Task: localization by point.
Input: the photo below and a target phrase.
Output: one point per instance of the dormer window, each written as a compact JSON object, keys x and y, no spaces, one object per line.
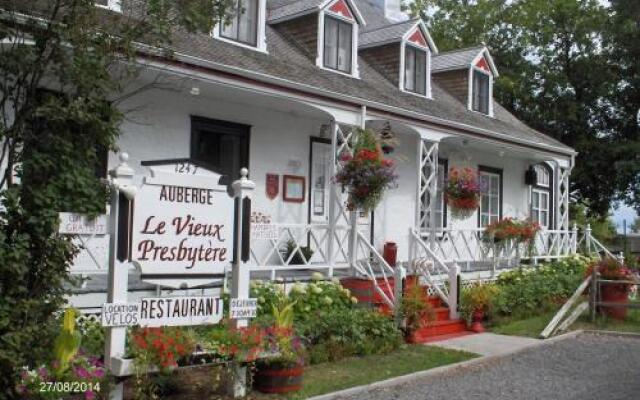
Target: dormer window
{"x":338,"y":23}
{"x":415,"y":70}
{"x":338,"y":42}
{"x":245,"y":25}
{"x":481,"y":95}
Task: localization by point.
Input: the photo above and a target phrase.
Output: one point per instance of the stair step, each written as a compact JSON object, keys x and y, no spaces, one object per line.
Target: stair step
{"x":447,"y":336}
{"x":441,"y":313}
{"x":437,"y":328}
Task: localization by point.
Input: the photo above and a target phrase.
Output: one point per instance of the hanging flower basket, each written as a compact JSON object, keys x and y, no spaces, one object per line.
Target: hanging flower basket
{"x":365,"y":173}
{"x":462,"y":192}
{"x":509,"y":229}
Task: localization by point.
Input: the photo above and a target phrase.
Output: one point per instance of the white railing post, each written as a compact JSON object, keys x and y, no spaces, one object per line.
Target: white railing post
{"x":121,"y":182}
{"x":587,"y":239}
{"x":353,"y":239}
{"x":240,"y":272}
{"x":399,"y":274}
{"x":454,"y":272}
{"x":333,"y":195}
{"x":574,"y":239}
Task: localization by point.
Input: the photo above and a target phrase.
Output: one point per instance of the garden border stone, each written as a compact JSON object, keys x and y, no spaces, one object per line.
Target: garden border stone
{"x":445,"y":369}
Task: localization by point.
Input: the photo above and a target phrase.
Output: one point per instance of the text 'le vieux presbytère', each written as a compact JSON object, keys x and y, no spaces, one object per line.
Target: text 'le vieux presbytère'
{"x":183,"y":225}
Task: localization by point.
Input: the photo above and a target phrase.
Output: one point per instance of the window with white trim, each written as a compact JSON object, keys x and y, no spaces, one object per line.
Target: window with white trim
{"x":481,"y":92}
{"x":491,"y":196}
{"x":541,"y":208}
{"x":242,"y":26}
{"x":415,"y":69}
{"x":338,"y":44}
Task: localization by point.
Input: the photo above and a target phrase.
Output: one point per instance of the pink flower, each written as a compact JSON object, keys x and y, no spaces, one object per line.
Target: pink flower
{"x":98,"y":373}
{"x":81,"y":372}
{"x":89,"y":395}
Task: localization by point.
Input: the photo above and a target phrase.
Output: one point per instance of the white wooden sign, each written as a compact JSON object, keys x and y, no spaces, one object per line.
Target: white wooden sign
{"x":182,"y":226}
{"x":264,"y":232}
{"x":80,"y":224}
{"x":164,"y":311}
{"x":243,"y":308}
{"x":91,"y":236}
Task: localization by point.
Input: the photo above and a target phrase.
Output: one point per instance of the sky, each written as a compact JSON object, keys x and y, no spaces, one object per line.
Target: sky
{"x":624,"y":213}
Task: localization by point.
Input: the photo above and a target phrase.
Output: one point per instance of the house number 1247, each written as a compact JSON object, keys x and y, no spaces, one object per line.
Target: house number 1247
{"x":186,"y":168}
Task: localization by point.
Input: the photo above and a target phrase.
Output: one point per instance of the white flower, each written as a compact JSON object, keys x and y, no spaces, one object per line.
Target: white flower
{"x":316,"y":289}
{"x":317,"y":276}
{"x":354,"y":300}
{"x":298,"y":288}
{"x":346,"y":292}
{"x":261,"y":300}
{"x":327,"y":300}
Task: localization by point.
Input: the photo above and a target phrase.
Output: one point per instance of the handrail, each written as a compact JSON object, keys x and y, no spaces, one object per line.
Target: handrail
{"x":424,"y":269}
{"x":551,"y":327}
{"x":365,"y":267}
{"x":602,"y":248}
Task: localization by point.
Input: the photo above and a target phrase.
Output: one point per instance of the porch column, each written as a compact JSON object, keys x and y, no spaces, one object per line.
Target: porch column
{"x":562,"y":172}
{"x":340,"y":143}
{"x":427,"y":188}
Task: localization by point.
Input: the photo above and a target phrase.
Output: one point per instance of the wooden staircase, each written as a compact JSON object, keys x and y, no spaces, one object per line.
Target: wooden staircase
{"x":439,"y":328}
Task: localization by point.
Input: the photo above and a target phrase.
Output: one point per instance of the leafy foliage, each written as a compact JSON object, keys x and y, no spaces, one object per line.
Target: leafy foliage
{"x":61,"y":85}
{"x":567,"y":68}
{"x":527,"y":291}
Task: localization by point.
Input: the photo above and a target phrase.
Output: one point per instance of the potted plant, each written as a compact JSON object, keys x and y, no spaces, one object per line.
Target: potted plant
{"x":364,"y":172}
{"x":281,"y":372}
{"x":475,"y":303}
{"x":611,"y":269}
{"x":462,"y":192}
{"x":303,"y":253}
{"x":415,"y":308}
{"x":510,"y":231}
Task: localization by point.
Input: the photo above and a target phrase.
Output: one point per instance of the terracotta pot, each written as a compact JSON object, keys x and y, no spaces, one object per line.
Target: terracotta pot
{"x":614,"y":293}
{"x":476,"y":325}
{"x":278,"y":378}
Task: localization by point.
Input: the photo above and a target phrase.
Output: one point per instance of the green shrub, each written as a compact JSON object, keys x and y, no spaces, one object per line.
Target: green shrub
{"x":320,"y":295}
{"x":92,"y":335}
{"x":527,"y":291}
{"x":337,"y":333}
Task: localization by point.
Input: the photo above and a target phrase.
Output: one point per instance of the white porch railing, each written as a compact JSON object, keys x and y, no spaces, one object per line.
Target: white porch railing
{"x":429,"y":264}
{"x":369,"y":263}
{"x":328,"y":246}
{"x":474,"y":245}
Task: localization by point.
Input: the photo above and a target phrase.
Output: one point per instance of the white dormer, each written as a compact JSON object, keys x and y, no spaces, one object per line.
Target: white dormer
{"x":416,"y":49}
{"x":246,"y":25}
{"x":338,"y":24}
{"x":468,"y":75}
{"x":482,"y":72}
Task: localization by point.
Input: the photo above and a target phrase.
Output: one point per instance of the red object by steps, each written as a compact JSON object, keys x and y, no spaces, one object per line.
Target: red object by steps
{"x":440,"y":328}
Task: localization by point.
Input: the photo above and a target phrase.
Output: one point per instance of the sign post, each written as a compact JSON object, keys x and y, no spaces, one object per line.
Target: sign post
{"x":241,"y":274}
{"x":122,"y":192}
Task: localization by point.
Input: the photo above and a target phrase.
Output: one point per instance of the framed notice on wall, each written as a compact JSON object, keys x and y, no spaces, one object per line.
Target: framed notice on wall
{"x":293,"y":188}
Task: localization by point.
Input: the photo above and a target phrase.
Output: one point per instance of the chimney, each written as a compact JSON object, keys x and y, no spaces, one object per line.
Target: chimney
{"x":391,"y":8}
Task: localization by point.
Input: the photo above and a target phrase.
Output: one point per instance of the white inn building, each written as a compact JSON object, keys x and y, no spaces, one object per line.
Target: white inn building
{"x":279,"y":91}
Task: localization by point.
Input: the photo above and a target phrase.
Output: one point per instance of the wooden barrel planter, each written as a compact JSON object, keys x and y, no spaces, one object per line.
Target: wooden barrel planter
{"x":278,"y":378}
{"x":614,"y":293}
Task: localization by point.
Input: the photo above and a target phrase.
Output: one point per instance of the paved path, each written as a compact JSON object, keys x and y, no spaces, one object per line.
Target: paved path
{"x":584,"y":367}
{"x":487,"y":344}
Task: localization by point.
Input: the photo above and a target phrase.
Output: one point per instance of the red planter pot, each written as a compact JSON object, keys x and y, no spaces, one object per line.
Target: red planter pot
{"x":476,"y":325}
{"x":278,"y":379}
{"x":614,"y":293}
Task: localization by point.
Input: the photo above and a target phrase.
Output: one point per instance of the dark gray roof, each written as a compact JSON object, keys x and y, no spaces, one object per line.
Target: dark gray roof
{"x":288,"y":62}
{"x":385,"y":34}
{"x":286,"y":8}
{"x":455,"y":59}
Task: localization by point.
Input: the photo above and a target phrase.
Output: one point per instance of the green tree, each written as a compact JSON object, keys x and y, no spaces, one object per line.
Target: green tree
{"x":62,"y":64}
{"x":559,"y":75}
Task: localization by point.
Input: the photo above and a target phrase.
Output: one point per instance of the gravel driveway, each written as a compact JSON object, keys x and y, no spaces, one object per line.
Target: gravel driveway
{"x":588,"y":366}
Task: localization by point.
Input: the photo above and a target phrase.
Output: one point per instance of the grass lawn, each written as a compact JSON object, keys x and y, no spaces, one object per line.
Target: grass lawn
{"x":533,"y":326}
{"x":329,"y":377}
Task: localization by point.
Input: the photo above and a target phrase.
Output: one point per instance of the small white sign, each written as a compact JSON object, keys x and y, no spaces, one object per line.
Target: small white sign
{"x":80,"y":224}
{"x":264,"y":232}
{"x":164,"y":311}
{"x":243,"y":308}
